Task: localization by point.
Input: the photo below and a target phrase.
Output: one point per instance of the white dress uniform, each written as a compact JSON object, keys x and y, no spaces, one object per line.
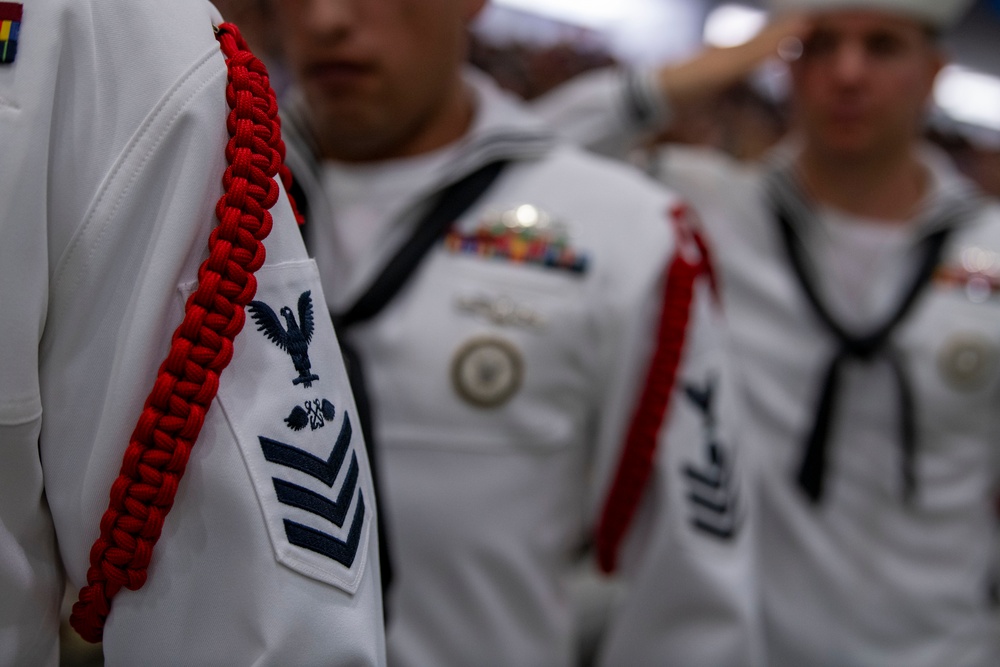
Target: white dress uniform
{"x":112,"y":122}
{"x":864,"y":577}
{"x":503,"y":385}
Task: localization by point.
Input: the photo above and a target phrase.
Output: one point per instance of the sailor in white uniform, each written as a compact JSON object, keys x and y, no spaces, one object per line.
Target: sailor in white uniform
{"x":114,"y":134}
{"x":861,"y":276}
{"x":563,"y":311}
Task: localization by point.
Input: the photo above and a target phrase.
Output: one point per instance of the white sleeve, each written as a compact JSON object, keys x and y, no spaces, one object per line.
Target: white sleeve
{"x":269,"y":553}
{"x":687,"y":561}
{"x":606,"y":110}
{"x":686,"y":557}
{"x":31,"y":577}
{"x":29,"y":569}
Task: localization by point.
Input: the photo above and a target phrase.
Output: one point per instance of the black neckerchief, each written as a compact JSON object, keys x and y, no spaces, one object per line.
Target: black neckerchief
{"x":876,"y":343}
{"x":449,"y":205}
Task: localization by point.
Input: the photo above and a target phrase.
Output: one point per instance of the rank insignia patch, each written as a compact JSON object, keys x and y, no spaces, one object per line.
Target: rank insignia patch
{"x":524,"y":235}
{"x":326,"y":471}
{"x":296,"y":430}
{"x":712,"y":490}
{"x":10,"y":28}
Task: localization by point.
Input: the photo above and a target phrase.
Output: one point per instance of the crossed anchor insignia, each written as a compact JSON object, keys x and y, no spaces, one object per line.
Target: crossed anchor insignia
{"x":314,"y":414}
{"x":294,"y":337}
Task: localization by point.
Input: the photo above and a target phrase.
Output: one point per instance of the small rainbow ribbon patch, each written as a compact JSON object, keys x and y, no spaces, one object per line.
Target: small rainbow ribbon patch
{"x":523,"y":235}
{"x":10,"y":26}
{"x":977,"y":272}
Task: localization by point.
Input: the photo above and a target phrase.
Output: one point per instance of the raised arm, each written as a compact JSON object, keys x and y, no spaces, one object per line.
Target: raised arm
{"x":609,"y":110}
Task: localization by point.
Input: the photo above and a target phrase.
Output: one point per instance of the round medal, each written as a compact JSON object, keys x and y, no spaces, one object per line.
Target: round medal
{"x":487,"y":371}
{"x":968,"y":361}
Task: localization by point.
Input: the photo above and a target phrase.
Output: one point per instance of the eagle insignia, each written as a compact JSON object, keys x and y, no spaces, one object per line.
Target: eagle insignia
{"x":294,"y":337}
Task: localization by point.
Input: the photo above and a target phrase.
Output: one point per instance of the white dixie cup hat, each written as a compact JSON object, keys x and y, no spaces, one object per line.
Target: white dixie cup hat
{"x":938,"y":14}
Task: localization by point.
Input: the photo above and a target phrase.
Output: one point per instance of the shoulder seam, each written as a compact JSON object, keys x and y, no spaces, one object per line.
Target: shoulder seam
{"x":166,"y":103}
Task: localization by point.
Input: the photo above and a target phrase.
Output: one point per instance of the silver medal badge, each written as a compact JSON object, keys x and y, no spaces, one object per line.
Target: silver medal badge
{"x":968,"y":361}
{"x":487,"y":371}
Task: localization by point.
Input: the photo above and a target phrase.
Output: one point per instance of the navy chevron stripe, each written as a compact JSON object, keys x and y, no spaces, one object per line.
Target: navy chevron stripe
{"x":293,"y":457}
{"x":334,"y":512}
{"x":713,"y":495}
{"x":713,"y":478}
{"x":341,"y":551}
{"x":725,"y":531}
{"x":716,"y":505}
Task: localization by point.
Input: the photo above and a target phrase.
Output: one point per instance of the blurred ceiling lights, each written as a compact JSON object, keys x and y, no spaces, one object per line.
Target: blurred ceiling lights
{"x":729,"y":25}
{"x":636,"y":31}
{"x":595,"y":14}
{"x":969,"y":96}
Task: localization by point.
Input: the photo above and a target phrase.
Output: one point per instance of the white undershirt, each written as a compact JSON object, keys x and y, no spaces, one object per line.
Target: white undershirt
{"x":368,"y":201}
{"x":865,"y":266}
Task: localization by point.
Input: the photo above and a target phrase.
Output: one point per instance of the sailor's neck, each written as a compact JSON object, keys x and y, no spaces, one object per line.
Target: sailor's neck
{"x":889,"y":189}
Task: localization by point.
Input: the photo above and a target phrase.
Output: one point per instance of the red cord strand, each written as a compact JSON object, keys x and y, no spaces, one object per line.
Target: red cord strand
{"x":201,"y":347}
{"x":636,"y":463}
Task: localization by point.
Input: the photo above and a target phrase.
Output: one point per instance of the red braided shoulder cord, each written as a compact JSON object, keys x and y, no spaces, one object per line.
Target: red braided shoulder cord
{"x":201,"y":347}
{"x":637,"y":459}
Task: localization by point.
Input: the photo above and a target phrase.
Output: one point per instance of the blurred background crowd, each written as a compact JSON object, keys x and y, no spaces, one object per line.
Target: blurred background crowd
{"x":532,"y":46}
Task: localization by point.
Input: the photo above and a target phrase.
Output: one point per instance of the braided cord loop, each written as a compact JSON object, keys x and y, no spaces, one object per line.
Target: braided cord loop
{"x":637,"y":461}
{"x":201,"y":347}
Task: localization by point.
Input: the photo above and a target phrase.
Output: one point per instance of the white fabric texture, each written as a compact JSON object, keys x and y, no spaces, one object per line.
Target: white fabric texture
{"x":488,"y":506}
{"x":112,"y":119}
{"x":370,"y":198}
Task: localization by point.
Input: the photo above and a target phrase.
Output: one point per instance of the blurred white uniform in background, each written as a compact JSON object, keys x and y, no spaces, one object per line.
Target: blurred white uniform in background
{"x":503,"y":388}
{"x":893,"y":562}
